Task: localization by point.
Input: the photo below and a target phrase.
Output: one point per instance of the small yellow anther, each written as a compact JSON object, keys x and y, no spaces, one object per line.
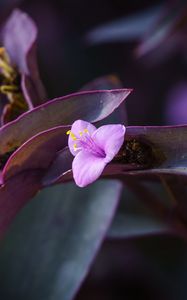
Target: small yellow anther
{"x":80,"y":133}
{"x":85,"y":130}
{"x":5,"y":89}
{"x":71,"y":135}
{"x":75,"y":147}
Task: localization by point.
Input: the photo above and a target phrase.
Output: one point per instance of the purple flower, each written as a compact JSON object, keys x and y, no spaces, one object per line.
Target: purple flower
{"x":93,"y":149}
{"x":20,"y":83}
{"x":29,"y":153}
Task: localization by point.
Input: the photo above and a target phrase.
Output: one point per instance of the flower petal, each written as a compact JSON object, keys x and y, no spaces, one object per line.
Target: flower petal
{"x":87,"y":168}
{"x":19,"y":38}
{"x":110,"y":138}
{"x":78,"y":127}
{"x":19,"y":34}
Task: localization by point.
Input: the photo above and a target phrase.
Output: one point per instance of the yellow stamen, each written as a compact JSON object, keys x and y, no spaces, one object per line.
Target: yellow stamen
{"x":74,"y":138}
{"x":6,"y":69}
{"x":5,"y":89}
{"x":71,"y":135}
{"x":10,"y":86}
{"x":75,"y":147}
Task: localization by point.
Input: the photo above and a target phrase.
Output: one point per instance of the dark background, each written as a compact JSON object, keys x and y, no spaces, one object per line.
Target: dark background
{"x":67,"y":61}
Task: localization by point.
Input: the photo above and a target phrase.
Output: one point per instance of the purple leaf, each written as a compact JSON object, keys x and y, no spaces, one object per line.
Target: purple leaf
{"x":168,"y":145}
{"x":24,"y":170}
{"x":162,"y":150}
{"x":60,"y":168}
{"x":164,"y":153}
{"x":109,"y":82}
{"x":15,"y":193}
{"x":37,"y":153}
{"x":19,"y":39}
{"x":71,"y":224}
{"x":91,"y":106}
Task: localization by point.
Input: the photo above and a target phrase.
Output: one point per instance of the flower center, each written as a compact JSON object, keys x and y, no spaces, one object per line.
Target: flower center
{"x":86,"y":142}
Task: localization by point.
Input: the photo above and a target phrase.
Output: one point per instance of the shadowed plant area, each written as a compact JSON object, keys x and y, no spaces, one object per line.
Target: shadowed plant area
{"x":93,"y":150}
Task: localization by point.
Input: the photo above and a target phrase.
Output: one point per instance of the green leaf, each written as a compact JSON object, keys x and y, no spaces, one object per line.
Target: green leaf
{"x":53,"y":241}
